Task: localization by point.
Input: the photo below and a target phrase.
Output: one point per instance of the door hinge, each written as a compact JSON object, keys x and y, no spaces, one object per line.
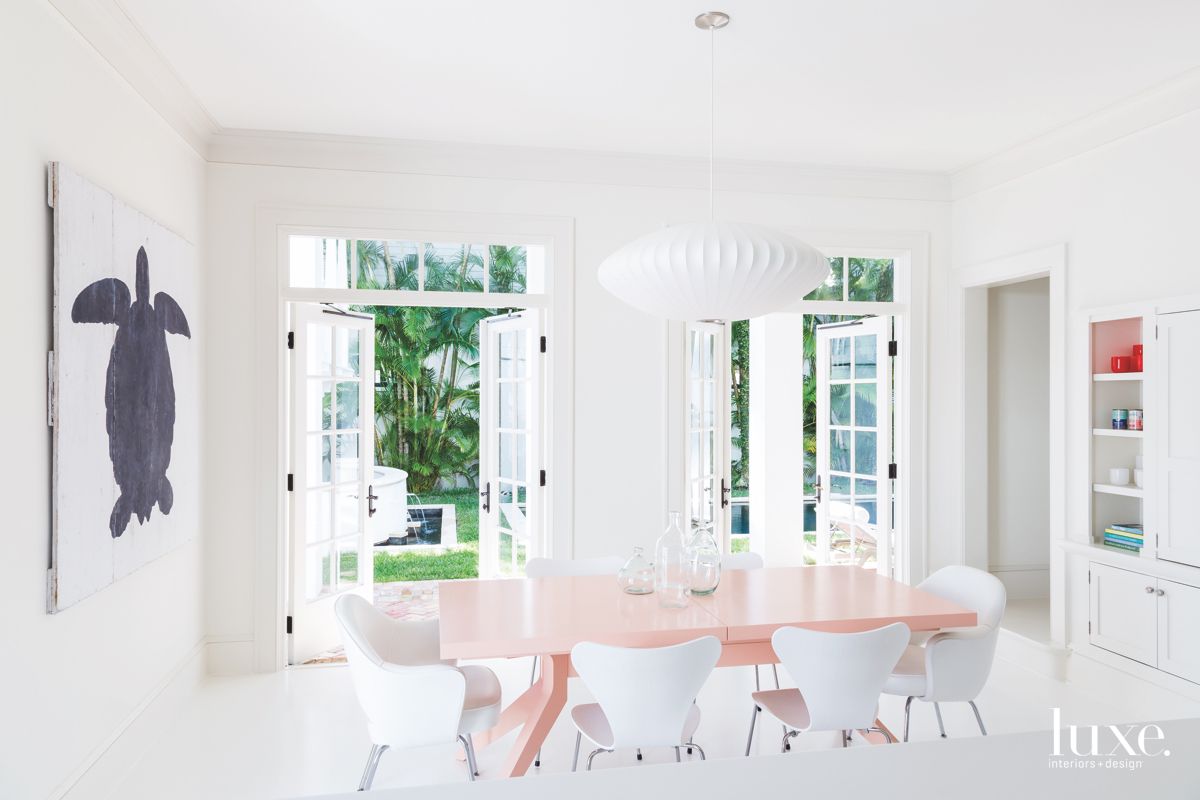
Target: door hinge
{"x":542,"y":344}
{"x":289,"y":624}
{"x":1089,"y":627}
{"x":893,"y":348}
{"x":892,"y":470}
{"x":1089,"y":576}
{"x":541,"y":477}
{"x":291,"y":340}
{"x":291,"y":480}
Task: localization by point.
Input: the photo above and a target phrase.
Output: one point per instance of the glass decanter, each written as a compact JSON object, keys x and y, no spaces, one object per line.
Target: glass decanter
{"x":671,"y":566}
{"x":637,"y":576}
{"x":704,"y":562}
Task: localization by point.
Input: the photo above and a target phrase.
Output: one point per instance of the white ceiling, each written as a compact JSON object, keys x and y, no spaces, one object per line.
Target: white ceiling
{"x":903,"y":84}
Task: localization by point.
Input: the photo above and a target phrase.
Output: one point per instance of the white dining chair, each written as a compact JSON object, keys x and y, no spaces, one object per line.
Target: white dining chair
{"x":839,"y":677}
{"x":736,"y":561}
{"x":645,"y":696}
{"x":952,"y":665}
{"x":566,"y":567}
{"x":411,"y":696}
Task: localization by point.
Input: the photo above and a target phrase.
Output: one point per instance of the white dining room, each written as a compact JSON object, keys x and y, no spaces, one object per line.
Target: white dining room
{"x":574,"y":399}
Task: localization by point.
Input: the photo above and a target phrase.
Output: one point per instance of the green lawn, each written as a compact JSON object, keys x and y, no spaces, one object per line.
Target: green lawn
{"x":462,"y":562}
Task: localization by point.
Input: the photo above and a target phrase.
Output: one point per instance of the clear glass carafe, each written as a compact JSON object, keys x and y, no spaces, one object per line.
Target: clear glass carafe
{"x":671,"y":566}
{"x":704,"y":562}
{"x":637,"y":576}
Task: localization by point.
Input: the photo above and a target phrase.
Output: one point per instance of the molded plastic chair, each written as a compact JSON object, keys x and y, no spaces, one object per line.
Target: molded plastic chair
{"x":741,"y":561}
{"x":839,"y":675}
{"x":953,"y":665}
{"x":645,"y":696}
{"x":412,"y":698}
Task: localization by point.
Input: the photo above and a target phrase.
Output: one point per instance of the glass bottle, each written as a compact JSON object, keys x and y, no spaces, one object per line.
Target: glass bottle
{"x":671,"y":566}
{"x":704,"y":562}
{"x":637,"y":576}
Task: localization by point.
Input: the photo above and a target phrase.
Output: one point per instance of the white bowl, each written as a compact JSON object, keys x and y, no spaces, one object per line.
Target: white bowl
{"x":1119,"y":476}
{"x":1137,"y":478}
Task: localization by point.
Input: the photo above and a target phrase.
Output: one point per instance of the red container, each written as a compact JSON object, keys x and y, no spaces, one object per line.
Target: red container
{"x":1137,"y":358}
{"x":1122,"y":363}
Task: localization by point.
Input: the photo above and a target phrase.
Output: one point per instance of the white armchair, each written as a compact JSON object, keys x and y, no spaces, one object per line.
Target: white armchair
{"x":412,"y":698}
{"x":953,"y":665}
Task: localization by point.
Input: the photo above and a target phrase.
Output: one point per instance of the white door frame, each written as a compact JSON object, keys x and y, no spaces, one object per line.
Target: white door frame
{"x":722,"y":490}
{"x":264,"y":648}
{"x":969,"y":317}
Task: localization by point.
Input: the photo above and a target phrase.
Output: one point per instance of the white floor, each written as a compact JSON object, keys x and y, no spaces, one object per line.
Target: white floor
{"x":1030,"y":618}
{"x":300,"y":731}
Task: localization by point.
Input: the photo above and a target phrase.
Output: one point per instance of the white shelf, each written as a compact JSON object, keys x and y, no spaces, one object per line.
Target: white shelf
{"x":1123,"y":491}
{"x":1123,"y":434}
{"x":1104,"y":377}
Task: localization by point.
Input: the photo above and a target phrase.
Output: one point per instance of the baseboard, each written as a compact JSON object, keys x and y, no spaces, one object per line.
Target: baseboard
{"x":106,"y":766}
{"x":1023,"y":582}
{"x":1157,"y":694}
{"x":233,"y":656}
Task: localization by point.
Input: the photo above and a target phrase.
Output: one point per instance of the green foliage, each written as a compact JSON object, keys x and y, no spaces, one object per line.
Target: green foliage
{"x":450,"y":565}
{"x":739,"y":357}
{"x":427,"y":359}
{"x":466,"y":510}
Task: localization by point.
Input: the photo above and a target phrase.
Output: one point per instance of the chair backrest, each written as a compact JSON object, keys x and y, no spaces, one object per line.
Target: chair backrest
{"x":646,"y":693}
{"x":980,"y":591}
{"x":957,"y":664}
{"x":551,"y":567}
{"x":742,"y":561}
{"x":840,"y":675}
{"x":410,"y":697}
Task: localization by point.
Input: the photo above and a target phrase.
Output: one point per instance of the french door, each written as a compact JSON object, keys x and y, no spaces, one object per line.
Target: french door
{"x":706,"y":434}
{"x":332,"y":447}
{"x":511,"y":477}
{"x":854,"y":444}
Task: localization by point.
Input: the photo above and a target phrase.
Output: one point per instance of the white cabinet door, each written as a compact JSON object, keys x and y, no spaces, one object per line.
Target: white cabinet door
{"x":1178,"y":622}
{"x":1177,"y":437}
{"x":1124,"y":613}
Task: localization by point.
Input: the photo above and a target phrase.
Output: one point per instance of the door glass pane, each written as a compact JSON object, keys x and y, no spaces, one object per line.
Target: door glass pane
{"x":320,"y":350}
{"x":864,"y":404}
{"x":507,"y":405}
{"x":508,"y":353}
{"x":507,"y":269}
{"x":347,"y":510}
{"x":318,"y":520}
{"x":319,"y":263}
{"x":839,"y":450}
{"x":347,"y":457}
{"x":864,"y":452}
{"x":864,"y":356}
{"x":317,"y":574}
{"x":708,"y":463}
{"x":506,"y":455}
{"x":522,"y":354}
{"x":839,"y":404}
{"x":839,"y":487}
{"x":694,"y":404}
{"x":871,"y":279}
{"x":864,"y":488}
{"x":839,"y":358}
{"x":708,"y":416}
{"x":833,"y":286}
{"x":708,"y":347}
{"x":521,"y":402}
{"x":694,"y":460}
{"x":519,"y":442}
{"x":347,"y":551}
{"x":346,"y":355}
{"x":347,"y":404}
{"x":319,"y":405}
{"x":454,"y":267}
{"x":505,"y":492}
{"x":319,"y":459}
{"x":387,"y":265}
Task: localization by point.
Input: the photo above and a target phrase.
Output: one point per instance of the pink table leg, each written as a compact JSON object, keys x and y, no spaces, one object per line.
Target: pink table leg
{"x":535,"y":712}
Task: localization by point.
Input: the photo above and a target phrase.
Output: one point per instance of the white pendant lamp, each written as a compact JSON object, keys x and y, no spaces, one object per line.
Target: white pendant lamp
{"x":713,"y":270}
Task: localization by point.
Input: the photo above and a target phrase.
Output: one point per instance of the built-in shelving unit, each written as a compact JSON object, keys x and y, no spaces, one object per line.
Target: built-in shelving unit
{"x":1119,"y":434}
{"x":1123,"y":491}
{"x":1106,"y":377}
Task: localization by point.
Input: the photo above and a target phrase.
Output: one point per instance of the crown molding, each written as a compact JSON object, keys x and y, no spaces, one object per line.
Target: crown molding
{"x":354,"y":153}
{"x":106,"y":26}
{"x":1154,"y":106}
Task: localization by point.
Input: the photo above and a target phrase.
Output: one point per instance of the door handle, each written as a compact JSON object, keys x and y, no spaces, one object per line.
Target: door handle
{"x":486,"y":494}
{"x":724,"y":494}
{"x":817,"y":486}
{"x":371,"y":498}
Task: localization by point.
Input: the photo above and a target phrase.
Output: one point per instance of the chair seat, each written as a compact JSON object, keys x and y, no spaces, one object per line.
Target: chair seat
{"x":908,"y":676}
{"x":786,"y":705}
{"x":481,"y":706}
{"x":589,"y":719}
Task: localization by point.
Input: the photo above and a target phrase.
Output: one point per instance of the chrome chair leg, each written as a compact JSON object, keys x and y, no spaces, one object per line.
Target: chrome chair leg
{"x":639,"y":752}
{"x":368,"y":776}
{"x":753,"y":719}
{"x":575,"y":761}
{"x":757,"y":680}
{"x":775,"y":672}
{"x":700,"y":750}
{"x":845,"y":739}
{"x":787,"y":745}
{"x":938,"y":711}
{"x":595,"y":753}
{"x":469,"y":746}
{"x":907,"y":712}
{"x":891,"y":739}
{"x":678,"y":757}
{"x":978,"y":718}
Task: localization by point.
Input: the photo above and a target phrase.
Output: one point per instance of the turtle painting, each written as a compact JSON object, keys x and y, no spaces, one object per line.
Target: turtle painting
{"x":139,"y":391}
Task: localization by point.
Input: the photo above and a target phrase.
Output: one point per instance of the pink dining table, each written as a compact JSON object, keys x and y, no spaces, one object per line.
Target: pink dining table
{"x":546,"y":617}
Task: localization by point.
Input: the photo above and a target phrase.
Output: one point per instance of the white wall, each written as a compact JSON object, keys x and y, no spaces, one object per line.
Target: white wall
{"x":621,"y":487}
{"x":1018,"y":318}
{"x":69,"y":681}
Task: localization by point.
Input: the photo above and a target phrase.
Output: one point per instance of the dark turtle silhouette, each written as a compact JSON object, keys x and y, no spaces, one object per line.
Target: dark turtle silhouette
{"x":139,"y":392}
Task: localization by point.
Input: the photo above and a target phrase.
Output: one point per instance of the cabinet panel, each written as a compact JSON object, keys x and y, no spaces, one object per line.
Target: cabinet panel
{"x":1177,"y":437}
{"x":1178,"y":629}
{"x":1123,"y":613}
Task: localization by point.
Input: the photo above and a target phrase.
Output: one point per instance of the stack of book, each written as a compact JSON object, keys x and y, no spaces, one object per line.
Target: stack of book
{"x":1125,"y":535}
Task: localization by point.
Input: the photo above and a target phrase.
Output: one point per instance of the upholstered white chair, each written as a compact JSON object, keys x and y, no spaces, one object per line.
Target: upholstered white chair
{"x":839,"y":678}
{"x":645,"y":696}
{"x":952,"y":665}
{"x":412,"y":698}
{"x":553,"y":567}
